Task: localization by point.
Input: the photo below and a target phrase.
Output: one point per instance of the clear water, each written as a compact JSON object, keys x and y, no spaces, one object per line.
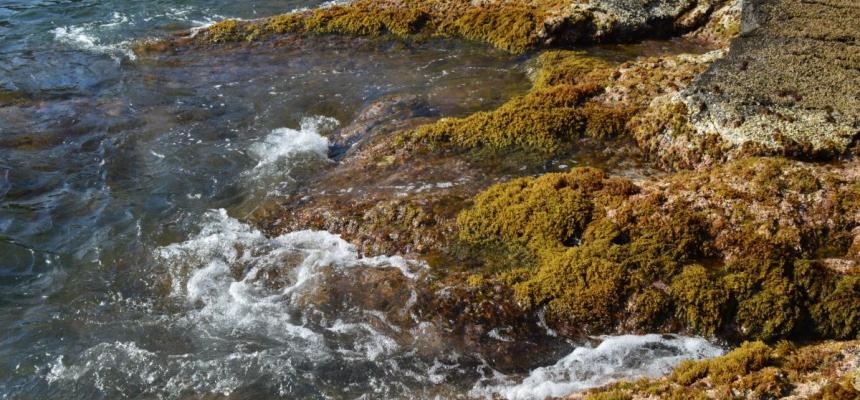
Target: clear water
{"x":126,"y":270}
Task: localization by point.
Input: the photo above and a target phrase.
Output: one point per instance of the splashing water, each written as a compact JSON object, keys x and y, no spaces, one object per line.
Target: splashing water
{"x":269,"y":333}
{"x":615,"y":358}
{"x":284,"y":149}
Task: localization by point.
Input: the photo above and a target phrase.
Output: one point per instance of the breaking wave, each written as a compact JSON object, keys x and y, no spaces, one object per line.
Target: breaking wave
{"x":285,"y":143}
{"x":615,"y":358}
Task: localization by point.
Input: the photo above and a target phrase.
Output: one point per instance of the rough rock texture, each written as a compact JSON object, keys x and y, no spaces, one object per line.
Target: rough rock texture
{"x":742,"y":251}
{"x":789,"y":85}
{"x":512,"y":25}
{"x":748,"y":248}
{"x":825,"y":371}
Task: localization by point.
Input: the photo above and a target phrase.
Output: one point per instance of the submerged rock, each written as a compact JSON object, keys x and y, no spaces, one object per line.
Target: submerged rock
{"x":376,"y":119}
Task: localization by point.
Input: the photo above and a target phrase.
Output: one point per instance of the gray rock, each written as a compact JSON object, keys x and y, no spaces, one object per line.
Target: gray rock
{"x":626,"y":20}
{"x":790,"y":84}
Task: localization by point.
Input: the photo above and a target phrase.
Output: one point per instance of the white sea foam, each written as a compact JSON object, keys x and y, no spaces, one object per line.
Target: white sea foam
{"x":261,"y":326}
{"x":616,"y":358}
{"x":88,"y":37}
{"x":285,"y":142}
{"x":284,"y":148}
{"x":225,"y":245}
{"x":124,"y":369}
{"x":80,"y":37}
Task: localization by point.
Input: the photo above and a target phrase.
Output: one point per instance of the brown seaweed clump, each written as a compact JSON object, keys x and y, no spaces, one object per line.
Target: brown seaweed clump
{"x":743,"y":251}
{"x":516,"y":26}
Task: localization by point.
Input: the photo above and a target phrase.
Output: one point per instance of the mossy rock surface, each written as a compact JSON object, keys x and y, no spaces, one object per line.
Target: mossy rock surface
{"x":546,"y":120}
{"x":754,"y":370}
{"x":741,"y":251}
{"x":788,"y":85}
{"x":512,"y":25}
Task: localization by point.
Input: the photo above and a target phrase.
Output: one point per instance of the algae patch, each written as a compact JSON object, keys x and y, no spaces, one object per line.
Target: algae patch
{"x":754,"y":370}
{"x":545,"y":120}
{"x":511,"y":27}
{"x":734,"y":252}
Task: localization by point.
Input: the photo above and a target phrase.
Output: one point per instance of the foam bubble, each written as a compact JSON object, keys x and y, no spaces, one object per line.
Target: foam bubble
{"x":616,"y":358}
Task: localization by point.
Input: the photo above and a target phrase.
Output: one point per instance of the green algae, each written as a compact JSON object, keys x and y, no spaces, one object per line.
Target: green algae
{"x":608,"y":255}
{"x":508,"y":27}
{"x":701,"y":301}
{"x":232,"y":30}
{"x":367,"y":19}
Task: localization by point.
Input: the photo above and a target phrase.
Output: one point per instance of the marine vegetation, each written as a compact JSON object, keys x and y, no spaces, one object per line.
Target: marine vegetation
{"x":507,"y":26}
{"x":754,"y":370}
{"x":546,"y":119}
{"x":742,"y":251}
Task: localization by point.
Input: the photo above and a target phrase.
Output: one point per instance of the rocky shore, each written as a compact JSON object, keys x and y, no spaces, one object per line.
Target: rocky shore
{"x":722,"y":197}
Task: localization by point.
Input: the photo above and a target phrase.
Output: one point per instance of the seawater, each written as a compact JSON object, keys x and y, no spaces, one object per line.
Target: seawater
{"x":127,"y":266}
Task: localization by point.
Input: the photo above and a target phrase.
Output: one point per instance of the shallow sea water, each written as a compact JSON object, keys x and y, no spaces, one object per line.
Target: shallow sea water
{"x":127,"y":267}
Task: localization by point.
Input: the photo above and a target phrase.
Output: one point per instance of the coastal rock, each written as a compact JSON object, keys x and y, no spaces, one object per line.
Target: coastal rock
{"x":787,"y":86}
{"x":704,"y":252}
{"x":513,"y":25}
{"x":826,"y":370}
{"x":349,"y":139}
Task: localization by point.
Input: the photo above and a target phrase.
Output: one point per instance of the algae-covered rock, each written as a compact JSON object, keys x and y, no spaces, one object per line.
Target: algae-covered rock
{"x":736,"y":251}
{"x":787,"y":86}
{"x":512,"y":25}
{"x":754,"y":370}
{"x":546,"y":120}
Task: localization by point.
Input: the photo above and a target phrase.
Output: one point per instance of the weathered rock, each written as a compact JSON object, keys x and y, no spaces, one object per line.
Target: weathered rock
{"x":512,"y":25}
{"x":383,"y":111}
{"x":790,"y":85}
{"x":604,"y":20}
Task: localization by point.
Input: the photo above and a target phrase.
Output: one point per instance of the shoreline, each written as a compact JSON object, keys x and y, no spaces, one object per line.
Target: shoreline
{"x":713,"y":193}
{"x":650,"y":100}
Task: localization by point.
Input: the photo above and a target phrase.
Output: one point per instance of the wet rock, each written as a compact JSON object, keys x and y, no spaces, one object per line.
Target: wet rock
{"x":484,"y":317}
{"x":705,"y":252}
{"x":431,"y":317}
{"x":825,"y":370}
{"x":788,"y":85}
{"x":513,"y":25}
{"x":384,"y":291}
{"x":383,"y":200}
{"x":386,"y":111}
